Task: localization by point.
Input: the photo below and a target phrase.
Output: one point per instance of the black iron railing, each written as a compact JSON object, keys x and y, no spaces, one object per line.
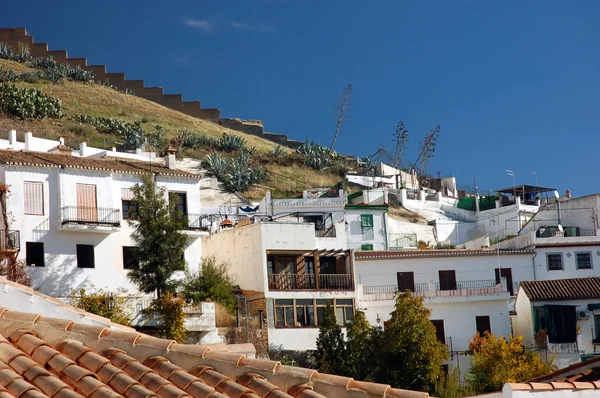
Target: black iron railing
{"x":91,"y":216}
{"x":309,"y":282}
{"x":10,"y":240}
{"x":199,"y":222}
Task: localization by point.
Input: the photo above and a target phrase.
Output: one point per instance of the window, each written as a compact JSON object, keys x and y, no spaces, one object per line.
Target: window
{"x":309,"y":265}
{"x":554,"y":261}
{"x":596,"y":329}
{"x":130,"y":209}
{"x":311,"y":312}
{"x":447,"y":280}
{"x":366,"y":246}
{"x":179,"y":199}
{"x":366,"y":226}
{"x":317,"y":220}
{"x":129,"y":257}
{"x":34,"y":198}
{"x":483,"y":324}
{"x":327,"y":265}
{"x":406,"y":281}
{"x":439,"y":330}
{"x":583,"y":260}
{"x":85,"y":256}
{"x":505,"y":273}
{"x":34,"y":254}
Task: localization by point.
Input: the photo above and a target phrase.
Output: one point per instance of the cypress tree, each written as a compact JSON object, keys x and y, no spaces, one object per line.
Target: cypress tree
{"x":330,"y":353}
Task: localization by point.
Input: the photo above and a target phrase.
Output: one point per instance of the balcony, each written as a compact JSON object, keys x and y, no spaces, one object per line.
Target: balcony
{"x":198,"y":224}
{"x":325,"y":233}
{"x":434,"y":290}
{"x":310,"y":282}
{"x":90,"y":219}
{"x":10,"y":241}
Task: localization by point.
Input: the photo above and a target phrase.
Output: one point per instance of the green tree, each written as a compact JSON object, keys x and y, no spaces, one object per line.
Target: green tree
{"x":330,"y":354}
{"x":171,"y":310}
{"x":412,"y":356}
{"x":362,"y":341}
{"x":211,"y":281}
{"x":496,"y":361}
{"x":450,"y":386}
{"x":158,"y":237}
{"x":102,"y":303}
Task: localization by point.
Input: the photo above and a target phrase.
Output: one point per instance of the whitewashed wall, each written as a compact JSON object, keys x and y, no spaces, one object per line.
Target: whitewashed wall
{"x":354,"y":229}
{"x":425,"y":233}
{"x":569,"y":263}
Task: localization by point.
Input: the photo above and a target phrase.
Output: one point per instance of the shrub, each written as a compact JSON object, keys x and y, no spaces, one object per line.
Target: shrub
{"x":278,"y":151}
{"x":211,"y":281}
{"x":14,"y":270}
{"x":102,"y":303}
{"x":231,"y":142}
{"x":6,"y":51}
{"x":28,"y":103}
{"x":216,"y":165}
{"x":132,"y":133}
{"x":243,"y":174}
{"x":170,"y":309}
{"x":316,"y":156}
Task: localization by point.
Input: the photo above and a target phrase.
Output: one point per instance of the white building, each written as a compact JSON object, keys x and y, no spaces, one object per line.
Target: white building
{"x":561,"y":317}
{"x":467,"y":291}
{"x":297,"y":273}
{"x":68,"y":216}
{"x":366,"y":220}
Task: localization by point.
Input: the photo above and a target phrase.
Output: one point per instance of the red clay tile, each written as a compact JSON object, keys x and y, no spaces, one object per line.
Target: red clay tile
{"x":195,"y":349}
{"x":520,"y":386}
{"x":138,"y":391}
{"x":107,"y":372}
{"x":309,"y":394}
{"x":399,"y":393}
{"x":32,"y":394}
{"x":28,"y":343}
{"x":297,"y":372}
{"x":170,"y":391}
{"x":182,"y":379}
{"x":371,"y":388}
{"x":199,"y":390}
{"x":583,"y":385}
{"x":153,"y":381}
{"x":261,"y":364}
{"x":261,"y":387}
{"x":136,"y":370}
{"x":35,"y":372}
{"x":59,"y":362}
{"x":92,"y":361}
{"x":21,"y":316}
{"x":87,"y":330}
{"x":119,"y":335}
{"x":154,"y":342}
{"x":76,"y":373}
{"x":224,"y":356}
{"x":68,"y":393}
{"x":562,"y":385}
{"x":232,"y":389}
{"x":153,"y":360}
{"x":2,"y":311}
{"x":165,"y":369}
{"x":103,"y":393}
{"x":121,"y":382}
{"x":7,"y":376}
{"x":8,"y":352}
{"x":54,"y":323}
{"x":277,"y":394}
{"x":596,"y":384}
{"x":72,"y":349}
{"x":198,"y":370}
{"x":18,"y":387}
{"x":294,"y":391}
{"x":88,"y":385}
{"x":49,"y":385}
{"x":334,"y":380}
{"x":22,"y":364}
{"x":212,"y":378}
{"x":541,"y":386}
{"x":120,"y":359}
{"x":43,"y":354}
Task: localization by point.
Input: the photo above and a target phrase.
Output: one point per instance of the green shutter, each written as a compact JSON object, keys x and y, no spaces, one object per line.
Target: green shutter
{"x":366,"y":220}
{"x":366,"y":246}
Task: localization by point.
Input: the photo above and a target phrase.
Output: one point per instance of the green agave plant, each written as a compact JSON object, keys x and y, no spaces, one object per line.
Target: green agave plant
{"x":28,"y":103}
{"x":231,"y":142}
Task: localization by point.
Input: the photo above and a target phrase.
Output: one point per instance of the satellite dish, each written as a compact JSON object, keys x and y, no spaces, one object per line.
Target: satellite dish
{"x":561,"y":229}
{"x":556,"y":194}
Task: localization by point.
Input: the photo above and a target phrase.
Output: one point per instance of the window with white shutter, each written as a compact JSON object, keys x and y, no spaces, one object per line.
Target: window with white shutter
{"x":34,"y":198}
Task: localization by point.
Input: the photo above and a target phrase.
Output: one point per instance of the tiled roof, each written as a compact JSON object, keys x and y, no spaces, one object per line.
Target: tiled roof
{"x":562,"y":289}
{"x":46,"y":357}
{"x":43,"y":159}
{"x":392,"y":254}
{"x":582,"y":375}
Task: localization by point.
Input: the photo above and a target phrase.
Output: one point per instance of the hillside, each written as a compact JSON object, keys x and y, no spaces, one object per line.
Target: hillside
{"x":287,"y":174}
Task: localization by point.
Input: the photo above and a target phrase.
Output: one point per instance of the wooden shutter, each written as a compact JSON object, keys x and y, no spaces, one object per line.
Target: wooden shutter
{"x":447,"y":280}
{"x":483,"y":324}
{"x":439,"y":330}
{"x":87,"y":208}
{"x":406,"y":281}
{"x":34,"y":198}
{"x":505,"y":273}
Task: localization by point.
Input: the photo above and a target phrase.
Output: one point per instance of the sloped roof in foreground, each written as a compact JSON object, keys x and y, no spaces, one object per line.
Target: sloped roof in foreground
{"x":48,"y":357}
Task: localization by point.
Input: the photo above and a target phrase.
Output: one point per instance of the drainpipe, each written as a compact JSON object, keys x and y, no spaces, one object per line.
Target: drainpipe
{"x":533,"y":263}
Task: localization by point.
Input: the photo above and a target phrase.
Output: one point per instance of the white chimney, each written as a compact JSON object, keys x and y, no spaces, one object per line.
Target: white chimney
{"x":114,"y":149}
{"x":82,"y":149}
{"x":170,"y":158}
{"x":61,"y":141}
{"x":28,"y":139}
{"x":214,"y":183}
{"x":12,"y":137}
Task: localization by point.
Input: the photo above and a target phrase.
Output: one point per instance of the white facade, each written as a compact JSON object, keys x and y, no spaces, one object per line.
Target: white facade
{"x":60,"y":272}
{"x":460,"y":287}
{"x":249,"y":251}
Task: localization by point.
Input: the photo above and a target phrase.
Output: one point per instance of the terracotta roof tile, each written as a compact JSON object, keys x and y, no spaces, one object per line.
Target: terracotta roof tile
{"x":562,"y":289}
{"x":395,"y":254}
{"x":96,"y":362}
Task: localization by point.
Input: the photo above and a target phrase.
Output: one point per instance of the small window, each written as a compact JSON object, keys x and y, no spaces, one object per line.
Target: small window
{"x":447,"y":280}
{"x":34,"y":198}
{"x":130,"y":209}
{"x":483,"y":324}
{"x":366,"y":226}
{"x":366,"y":246}
{"x":583,"y":260}
{"x":439,"y":330}
{"x":406,"y":281}
{"x":85,"y":256}
{"x":179,"y":200}
{"x":554,"y":261}
{"x":130,"y":260}
{"x":34,"y":254}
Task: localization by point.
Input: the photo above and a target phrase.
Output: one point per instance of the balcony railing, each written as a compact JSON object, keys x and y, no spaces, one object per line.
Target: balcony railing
{"x":463,"y":288}
{"x":325,"y":233}
{"x":199,"y":222}
{"x":91,"y":216}
{"x":309,"y":282}
{"x":10,"y":240}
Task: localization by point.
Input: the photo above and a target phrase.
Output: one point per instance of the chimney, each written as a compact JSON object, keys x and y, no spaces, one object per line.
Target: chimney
{"x":114,"y":149}
{"x":12,"y":137}
{"x":61,"y":141}
{"x":28,"y":139}
{"x":214,"y":183}
{"x":82,"y":149}
{"x":170,"y":158}
{"x":568,"y":193}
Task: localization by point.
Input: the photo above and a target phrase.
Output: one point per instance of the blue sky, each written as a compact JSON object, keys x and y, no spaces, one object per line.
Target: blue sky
{"x":514,"y":85}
